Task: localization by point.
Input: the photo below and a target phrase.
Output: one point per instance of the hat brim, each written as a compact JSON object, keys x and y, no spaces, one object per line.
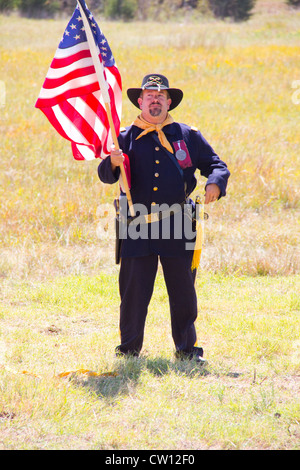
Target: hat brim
{"x":176,"y":96}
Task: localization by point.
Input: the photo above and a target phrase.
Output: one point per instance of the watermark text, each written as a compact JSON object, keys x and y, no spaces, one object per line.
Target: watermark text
{"x":296,"y":94}
{"x":163,"y":222}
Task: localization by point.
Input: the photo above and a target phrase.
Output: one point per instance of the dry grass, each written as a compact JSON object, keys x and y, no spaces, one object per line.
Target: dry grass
{"x":59,"y":299}
{"x":237,"y":80}
{"x":246,"y":398}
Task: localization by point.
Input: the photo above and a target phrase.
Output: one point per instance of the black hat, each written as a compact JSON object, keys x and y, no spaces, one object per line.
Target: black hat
{"x":158,"y":82}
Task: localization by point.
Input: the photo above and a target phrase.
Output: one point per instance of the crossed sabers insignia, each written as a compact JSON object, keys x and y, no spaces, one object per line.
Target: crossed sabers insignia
{"x":154,"y":81}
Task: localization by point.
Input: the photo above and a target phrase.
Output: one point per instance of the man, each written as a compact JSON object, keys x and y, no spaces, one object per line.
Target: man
{"x":163,"y":156}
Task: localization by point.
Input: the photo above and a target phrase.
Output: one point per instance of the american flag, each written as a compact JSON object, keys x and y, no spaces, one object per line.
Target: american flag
{"x":71,"y":97}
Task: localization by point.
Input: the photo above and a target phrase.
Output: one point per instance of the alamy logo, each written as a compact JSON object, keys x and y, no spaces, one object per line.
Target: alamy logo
{"x":178,"y":221}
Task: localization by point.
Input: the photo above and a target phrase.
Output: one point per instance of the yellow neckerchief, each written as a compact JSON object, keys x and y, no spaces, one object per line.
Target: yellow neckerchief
{"x":149,"y":127}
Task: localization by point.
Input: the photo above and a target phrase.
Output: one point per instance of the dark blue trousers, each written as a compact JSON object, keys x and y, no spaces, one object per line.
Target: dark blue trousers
{"x":136,"y":283}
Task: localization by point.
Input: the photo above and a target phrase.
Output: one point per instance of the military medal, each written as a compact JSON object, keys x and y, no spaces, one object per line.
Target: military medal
{"x":182,"y":154}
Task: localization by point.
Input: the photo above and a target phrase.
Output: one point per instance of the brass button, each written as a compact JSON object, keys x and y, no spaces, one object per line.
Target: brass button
{"x":155,"y":188}
{"x":156,"y":175}
{"x":153,"y":203}
{"x":157,"y":149}
{"x":157,"y":162}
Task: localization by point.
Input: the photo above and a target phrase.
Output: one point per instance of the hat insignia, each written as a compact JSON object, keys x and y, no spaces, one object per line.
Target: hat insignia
{"x":156,"y":79}
{"x":153,"y":80}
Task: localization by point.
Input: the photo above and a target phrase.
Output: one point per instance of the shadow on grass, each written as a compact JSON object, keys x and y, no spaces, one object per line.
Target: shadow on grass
{"x":128,"y":371}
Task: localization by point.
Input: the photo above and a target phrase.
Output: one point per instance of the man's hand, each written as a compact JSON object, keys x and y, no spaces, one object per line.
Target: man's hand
{"x":212,"y":193}
{"x":116,"y":157}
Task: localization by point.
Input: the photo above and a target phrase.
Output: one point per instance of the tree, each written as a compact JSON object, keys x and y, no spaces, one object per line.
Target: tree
{"x":68,"y":6}
{"x":239,"y":10}
{"x":293,"y":3}
{"x":39,"y":8}
{"x":8,"y":5}
{"x":124,"y":9}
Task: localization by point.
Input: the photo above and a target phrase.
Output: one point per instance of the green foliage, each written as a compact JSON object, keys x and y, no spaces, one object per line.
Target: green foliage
{"x":67,"y":6}
{"x":239,"y":10}
{"x":126,"y":10}
{"x":8,"y":5}
{"x":39,"y":8}
{"x":121,"y":9}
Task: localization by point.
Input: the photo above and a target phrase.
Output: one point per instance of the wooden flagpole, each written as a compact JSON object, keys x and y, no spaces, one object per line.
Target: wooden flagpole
{"x":104,"y":90}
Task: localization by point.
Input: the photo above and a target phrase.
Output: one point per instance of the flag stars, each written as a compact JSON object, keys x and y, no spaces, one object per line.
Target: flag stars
{"x":75,"y":33}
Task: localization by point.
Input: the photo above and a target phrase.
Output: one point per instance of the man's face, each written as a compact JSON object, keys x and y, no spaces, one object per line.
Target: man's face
{"x":154,"y":105}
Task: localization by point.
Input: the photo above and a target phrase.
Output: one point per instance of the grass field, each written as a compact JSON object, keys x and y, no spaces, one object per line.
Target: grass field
{"x":59,"y":294}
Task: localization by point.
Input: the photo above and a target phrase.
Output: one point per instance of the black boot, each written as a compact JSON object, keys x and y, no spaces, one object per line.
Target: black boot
{"x":196,"y":354}
{"x":120,"y":353}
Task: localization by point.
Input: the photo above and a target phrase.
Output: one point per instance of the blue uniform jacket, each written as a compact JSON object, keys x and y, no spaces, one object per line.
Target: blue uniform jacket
{"x":158,"y":177}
